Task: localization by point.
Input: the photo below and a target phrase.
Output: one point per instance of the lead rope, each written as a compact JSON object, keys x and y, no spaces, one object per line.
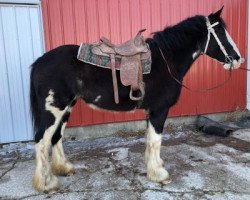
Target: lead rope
{"x":186,"y":87}
{"x":244,"y":69}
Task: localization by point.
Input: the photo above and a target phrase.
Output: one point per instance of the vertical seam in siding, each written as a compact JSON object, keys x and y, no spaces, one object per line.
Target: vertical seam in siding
{"x":119,"y":12}
{"x":86,"y":19}
{"x":41,"y":32}
{"x":97,"y":19}
{"x":150,"y":14}
{"x":49,"y":26}
{"x":31,"y":33}
{"x":160,"y":15}
{"x":20,"y":66}
{"x":109,"y":20}
{"x":7,"y":73}
{"x":62,"y":21}
{"x":119,"y":22}
{"x":130,"y":18}
{"x":74,"y":21}
{"x":140,"y":13}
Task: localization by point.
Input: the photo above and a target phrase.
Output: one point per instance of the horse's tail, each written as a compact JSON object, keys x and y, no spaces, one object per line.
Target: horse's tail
{"x":34,"y":107}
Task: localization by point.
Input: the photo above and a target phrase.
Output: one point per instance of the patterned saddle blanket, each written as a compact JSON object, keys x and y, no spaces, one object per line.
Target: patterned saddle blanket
{"x":85,"y":55}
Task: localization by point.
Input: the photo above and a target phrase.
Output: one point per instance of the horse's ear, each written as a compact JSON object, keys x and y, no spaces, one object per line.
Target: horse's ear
{"x":217,"y":14}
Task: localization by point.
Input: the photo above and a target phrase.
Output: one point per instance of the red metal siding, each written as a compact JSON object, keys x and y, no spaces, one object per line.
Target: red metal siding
{"x":75,"y":21}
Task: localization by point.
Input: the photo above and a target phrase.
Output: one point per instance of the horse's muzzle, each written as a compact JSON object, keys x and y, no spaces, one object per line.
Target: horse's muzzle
{"x":235,"y":64}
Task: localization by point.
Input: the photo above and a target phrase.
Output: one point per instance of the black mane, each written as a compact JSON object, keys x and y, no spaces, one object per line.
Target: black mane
{"x":180,"y":36}
{"x":188,"y":32}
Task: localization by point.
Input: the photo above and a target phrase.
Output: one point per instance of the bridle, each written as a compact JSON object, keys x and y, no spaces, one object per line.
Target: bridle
{"x":210,"y":28}
{"x":228,"y":59}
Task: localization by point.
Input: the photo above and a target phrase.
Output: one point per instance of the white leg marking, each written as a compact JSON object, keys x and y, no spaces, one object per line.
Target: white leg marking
{"x":60,"y":165}
{"x":155,"y":169}
{"x":43,"y":179}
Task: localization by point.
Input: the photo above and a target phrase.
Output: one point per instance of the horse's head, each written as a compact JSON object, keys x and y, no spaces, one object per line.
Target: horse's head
{"x":218,"y":44}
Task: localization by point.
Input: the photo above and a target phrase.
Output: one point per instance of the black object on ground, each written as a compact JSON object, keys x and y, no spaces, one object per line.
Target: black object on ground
{"x":211,"y":127}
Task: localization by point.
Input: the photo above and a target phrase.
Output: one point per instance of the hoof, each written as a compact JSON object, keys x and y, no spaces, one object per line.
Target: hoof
{"x":167,"y":181}
{"x":45,"y":184}
{"x":65,"y":169}
{"x":159,"y":175}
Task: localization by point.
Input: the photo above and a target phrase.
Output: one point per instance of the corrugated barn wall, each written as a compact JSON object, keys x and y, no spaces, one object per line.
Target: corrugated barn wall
{"x":75,"y":21}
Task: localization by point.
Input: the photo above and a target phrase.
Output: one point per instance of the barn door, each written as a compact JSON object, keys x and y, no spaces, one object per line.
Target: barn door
{"x":21,"y":42}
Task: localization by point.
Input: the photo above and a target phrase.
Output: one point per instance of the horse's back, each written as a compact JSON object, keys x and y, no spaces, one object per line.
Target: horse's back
{"x":57,"y":56}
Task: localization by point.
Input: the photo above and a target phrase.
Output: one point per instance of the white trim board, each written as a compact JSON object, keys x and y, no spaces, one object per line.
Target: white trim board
{"x":20,"y":1}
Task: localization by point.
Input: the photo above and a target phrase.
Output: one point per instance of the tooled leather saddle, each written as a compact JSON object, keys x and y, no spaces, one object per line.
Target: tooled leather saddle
{"x":132,"y":58}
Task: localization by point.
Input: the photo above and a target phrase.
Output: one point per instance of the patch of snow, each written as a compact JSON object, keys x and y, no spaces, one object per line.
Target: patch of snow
{"x":80,"y":166}
{"x":119,"y":153}
{"x":220,"y":148}
{"x":243,"y":134}
{"x":149,"y":195}
{"x":193,"y":180}
{"x":240,"y":171}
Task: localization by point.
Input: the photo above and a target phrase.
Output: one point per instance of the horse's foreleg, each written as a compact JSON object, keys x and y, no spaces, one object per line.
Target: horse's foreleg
{"x":155,"y":170}
{"x":60,"y":164}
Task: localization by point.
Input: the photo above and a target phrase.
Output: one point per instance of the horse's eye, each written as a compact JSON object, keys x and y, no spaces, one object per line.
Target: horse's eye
{"x":220,"y":31}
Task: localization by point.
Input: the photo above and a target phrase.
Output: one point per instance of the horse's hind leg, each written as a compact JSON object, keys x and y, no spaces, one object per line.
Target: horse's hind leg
{"x":60,"y":164}
{"x":43,"y":179}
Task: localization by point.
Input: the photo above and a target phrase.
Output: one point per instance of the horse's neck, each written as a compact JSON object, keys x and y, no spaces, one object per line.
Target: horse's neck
{"x":184,"y":58}
{"x":185,"y":54}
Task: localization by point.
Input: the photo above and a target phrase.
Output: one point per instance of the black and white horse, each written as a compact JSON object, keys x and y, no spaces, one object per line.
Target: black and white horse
{"x":58,"y":79}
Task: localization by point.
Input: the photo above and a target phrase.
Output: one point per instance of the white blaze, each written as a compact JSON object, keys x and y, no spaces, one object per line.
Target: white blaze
{"x":236,"y":63}
{"x":230,"y":40}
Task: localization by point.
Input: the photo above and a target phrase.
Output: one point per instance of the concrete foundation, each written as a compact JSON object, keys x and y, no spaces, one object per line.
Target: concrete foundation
{"x":102,"y":130}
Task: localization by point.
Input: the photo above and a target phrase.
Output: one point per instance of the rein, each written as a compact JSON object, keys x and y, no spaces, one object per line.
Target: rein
{"x":228,"y":59}
{"x":244,"y":69}
{"x":186,"y":87}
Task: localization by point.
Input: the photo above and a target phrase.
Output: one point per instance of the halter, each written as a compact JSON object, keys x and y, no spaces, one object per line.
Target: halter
{"x":210,"y":28}
{"x":228,"y":58}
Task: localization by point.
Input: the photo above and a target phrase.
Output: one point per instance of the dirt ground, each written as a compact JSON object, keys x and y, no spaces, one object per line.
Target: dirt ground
{"x":201,"y":167}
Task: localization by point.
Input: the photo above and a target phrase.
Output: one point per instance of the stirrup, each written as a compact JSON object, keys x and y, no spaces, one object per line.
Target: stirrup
{"x":141,"y":88}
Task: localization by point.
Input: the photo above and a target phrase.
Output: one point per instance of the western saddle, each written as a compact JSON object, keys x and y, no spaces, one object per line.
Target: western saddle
{"x":130,"y":53}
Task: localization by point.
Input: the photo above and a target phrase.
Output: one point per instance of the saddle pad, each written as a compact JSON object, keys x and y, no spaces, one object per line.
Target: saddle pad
{"x":85,"y":55}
